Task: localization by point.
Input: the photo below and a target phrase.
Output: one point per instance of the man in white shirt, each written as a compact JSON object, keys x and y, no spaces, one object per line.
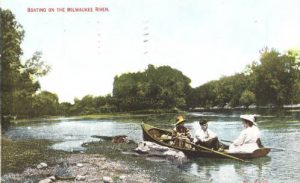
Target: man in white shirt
{"x":249,"y":139}
{"x":206,"y":137}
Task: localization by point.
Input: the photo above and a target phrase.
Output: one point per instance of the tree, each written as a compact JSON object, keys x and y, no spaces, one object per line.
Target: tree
{"x":36,"y":67}
{"x":226,"y":90}
{"x":155,"y":88}
{"x":276,"y":77}
{"x":11,"y":37}
{"x":65,"y":108}
{"x":27,"y":84}
{"x":19,"y":82}
{"x":45,"y":103}
{"x":247,"y":98}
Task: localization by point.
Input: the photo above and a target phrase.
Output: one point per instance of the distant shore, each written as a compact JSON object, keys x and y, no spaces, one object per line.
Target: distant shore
{"x":251,"y":107}
{"x":117,"y":115}
{"x":145,"y":113}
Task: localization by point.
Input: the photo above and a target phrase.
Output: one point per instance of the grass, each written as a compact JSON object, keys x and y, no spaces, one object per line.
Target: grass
{"x":20,"y":154}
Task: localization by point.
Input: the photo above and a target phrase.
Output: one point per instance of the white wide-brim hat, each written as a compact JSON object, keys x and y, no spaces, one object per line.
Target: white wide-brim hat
{"x":251,"y":118}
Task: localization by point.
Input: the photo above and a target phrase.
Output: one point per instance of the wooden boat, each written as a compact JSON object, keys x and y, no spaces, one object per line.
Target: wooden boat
{"x":154,"y":134}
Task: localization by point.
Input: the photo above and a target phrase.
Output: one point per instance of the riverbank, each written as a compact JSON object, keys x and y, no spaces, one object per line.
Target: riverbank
{"x":131,"y":115}
{"x":150,"y":114}
{"x":81,"y":168}
{"x":79,"y":117}
{"x":24,"y":161}
{"x":21,"y":158}
{"x":16,"y":155}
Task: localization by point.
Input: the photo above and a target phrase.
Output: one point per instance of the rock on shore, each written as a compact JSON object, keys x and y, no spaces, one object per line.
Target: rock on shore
{"x":42,"y":165}
{"x":152,"y":149}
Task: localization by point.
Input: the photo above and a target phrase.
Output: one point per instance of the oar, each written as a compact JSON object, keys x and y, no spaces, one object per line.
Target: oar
{"x":276,"y":148}
{"x":227,"y":141}
{"x":217,"y":152}
{"x":282,"y":149}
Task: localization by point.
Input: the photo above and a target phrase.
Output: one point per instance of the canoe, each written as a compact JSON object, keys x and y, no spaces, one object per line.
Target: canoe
{"x":153,"y":134}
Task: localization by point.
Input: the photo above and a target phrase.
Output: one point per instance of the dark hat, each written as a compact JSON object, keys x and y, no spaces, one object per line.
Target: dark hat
{"x":203,"y":121}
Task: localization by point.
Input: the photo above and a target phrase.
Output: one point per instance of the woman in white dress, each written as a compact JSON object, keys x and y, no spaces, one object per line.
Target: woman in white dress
{"x":247,"y":140}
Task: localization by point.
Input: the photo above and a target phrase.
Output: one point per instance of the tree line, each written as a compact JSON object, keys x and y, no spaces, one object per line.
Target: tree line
{"x":274,"y":79}
{"x":19,"y":80}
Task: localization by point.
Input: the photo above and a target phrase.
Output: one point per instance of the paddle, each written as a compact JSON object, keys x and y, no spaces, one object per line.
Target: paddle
{"x":282,"y":149}
{"x":217,"y":152}
{"x":227,"y":141}
{"x":276,"y":148}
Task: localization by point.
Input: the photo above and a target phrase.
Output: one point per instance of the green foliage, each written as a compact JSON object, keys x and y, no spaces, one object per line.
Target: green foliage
{"x":226,"y":90}
{"x":155,"y":88}
{"x":11,"y":37}
{"x":247,"y":98}
{"x":92,"y":105}
{"x":274,"y":80}
{"x":276,"y":77}
{"x":18,"y":81}
{"x":65,"y":108}
{"x":35,"y":67}
{"x":45,"y":103}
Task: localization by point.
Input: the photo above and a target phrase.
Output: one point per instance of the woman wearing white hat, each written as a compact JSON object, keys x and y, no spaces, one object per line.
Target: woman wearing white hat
{"x":248,"y":140}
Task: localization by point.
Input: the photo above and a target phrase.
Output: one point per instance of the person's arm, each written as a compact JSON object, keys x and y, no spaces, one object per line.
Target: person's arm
{"x":211,"y":134}
{"x":187,"y":133}
{"x":174,"y":132}
{"x":197,"y":136}
{"x":241,"y":139}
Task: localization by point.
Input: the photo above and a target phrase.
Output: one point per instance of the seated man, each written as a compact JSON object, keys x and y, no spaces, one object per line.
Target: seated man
{"x":205,"y":137}
{"x":181,"y":134}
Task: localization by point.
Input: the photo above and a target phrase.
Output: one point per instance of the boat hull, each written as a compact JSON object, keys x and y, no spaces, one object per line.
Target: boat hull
{"x":198,"y":153}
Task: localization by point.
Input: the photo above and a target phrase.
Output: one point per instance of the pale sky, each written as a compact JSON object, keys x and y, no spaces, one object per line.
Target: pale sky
{"x":203,"y":39}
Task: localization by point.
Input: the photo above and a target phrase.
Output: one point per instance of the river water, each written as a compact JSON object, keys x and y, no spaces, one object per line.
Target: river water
{"x":279,"y":129}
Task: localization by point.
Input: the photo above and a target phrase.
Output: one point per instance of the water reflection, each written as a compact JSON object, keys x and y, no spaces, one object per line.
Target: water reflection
{"x":223,"y":170}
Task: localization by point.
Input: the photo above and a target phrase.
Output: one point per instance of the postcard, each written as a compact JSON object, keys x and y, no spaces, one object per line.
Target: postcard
{"x":150,"y":91}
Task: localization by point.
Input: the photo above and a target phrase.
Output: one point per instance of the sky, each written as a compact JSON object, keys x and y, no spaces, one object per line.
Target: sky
{"x":204,"y":39}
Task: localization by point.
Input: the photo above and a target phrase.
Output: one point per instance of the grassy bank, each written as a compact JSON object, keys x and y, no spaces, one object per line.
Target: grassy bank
{"x":20,"y":154}
{"x":132,"y":115}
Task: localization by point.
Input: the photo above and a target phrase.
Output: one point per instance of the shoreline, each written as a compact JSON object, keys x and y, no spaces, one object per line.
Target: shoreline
{"x":102,"y":160}
{"x":21,"y":160}
{"x":81,"y":168}
{"x":89,"y":116}
{"x":138,"y":114}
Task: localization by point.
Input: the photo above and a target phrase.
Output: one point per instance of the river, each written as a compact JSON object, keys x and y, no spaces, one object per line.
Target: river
{"x":279,"y":129}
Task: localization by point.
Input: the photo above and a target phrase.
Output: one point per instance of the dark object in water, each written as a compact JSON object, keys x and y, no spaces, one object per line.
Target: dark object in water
{"x":120,"y":139}
{"x":154,"y":134}
{"x":116,"y":139}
